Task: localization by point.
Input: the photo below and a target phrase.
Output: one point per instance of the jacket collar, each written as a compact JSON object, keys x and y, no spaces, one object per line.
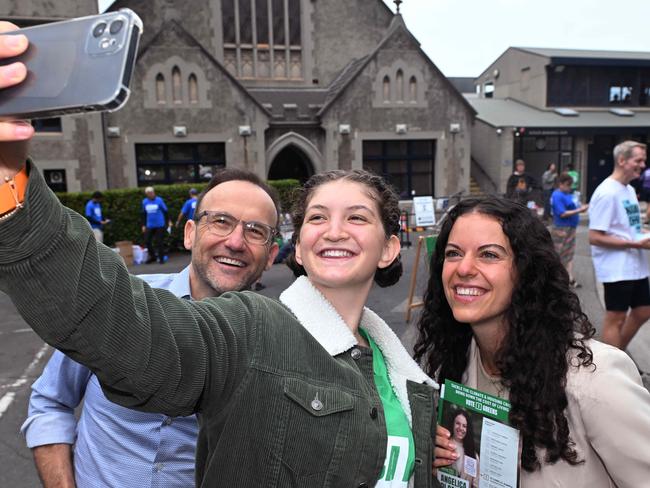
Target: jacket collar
{"x":323,"y":322}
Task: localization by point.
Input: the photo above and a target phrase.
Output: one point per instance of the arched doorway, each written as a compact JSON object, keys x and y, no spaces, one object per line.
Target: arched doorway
{"x":291,"y":163}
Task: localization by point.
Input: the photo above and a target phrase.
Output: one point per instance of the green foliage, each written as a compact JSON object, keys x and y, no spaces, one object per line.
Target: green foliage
{"x":124,"y":208}
{"x":285,"y":189}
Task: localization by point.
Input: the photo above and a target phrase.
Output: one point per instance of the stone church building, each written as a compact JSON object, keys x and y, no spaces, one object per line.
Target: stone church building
{"x":284,"y":88}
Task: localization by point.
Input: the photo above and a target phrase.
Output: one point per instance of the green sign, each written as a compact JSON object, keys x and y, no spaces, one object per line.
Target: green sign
{"x":475,"y":401}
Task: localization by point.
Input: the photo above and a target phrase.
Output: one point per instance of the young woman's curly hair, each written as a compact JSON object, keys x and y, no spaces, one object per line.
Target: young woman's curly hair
{"x":546,"y":335}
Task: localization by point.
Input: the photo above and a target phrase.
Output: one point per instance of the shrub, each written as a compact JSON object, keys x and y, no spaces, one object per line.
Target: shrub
{"x":124,"y":208}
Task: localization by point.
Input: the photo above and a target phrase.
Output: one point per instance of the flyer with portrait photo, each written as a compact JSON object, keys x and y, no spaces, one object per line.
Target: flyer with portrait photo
{"x":488,"y":447}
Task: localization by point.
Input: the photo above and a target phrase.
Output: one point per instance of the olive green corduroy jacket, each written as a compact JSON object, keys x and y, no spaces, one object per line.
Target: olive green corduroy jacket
{"x":281,"y":402}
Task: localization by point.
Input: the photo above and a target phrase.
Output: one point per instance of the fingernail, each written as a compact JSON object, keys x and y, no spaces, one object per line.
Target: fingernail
{"x":14,"y":41}
{"x":14,"y":71}
{"x":23,"y":131}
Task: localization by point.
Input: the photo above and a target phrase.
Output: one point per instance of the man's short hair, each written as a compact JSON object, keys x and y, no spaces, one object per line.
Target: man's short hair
{"x":565,"y":178}
{"x":520,"y":162}
{"x":149,"y":189}
{"x":234,"y":174}
{"x":625,"y":149}
{"x":97,"y":195}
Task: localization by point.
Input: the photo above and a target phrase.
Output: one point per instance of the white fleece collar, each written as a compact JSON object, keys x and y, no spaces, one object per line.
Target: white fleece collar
{"x":323,"y":322}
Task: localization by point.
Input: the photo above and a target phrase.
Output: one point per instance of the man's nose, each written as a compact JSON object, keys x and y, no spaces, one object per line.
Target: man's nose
{"x":235,"y":239}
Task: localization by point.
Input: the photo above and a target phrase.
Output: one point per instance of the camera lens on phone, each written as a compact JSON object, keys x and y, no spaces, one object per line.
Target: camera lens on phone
{"x":99,"y":29}
{"x":116,"y":26}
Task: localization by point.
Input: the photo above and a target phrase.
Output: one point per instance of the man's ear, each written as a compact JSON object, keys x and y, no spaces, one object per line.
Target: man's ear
{"x":273,"y":252}
{"x":189,"y":235}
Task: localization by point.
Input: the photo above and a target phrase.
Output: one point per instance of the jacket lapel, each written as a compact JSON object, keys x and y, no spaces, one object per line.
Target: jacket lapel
{"x":323,"y":322}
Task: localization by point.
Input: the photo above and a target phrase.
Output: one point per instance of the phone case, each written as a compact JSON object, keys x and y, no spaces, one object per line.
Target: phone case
{"x":78,"y":65}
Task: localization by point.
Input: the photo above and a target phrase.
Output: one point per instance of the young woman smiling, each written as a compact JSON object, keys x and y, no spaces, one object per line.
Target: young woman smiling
{"x":310,"y":390}
{"x":501,"y":317}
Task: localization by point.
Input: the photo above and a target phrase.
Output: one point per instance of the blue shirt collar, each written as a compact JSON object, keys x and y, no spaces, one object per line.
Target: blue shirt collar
{"x":180,"y":285}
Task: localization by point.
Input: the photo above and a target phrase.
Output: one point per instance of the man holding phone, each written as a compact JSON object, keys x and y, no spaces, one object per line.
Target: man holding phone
{"x":115,"y":446}
{"x":210,"y":273}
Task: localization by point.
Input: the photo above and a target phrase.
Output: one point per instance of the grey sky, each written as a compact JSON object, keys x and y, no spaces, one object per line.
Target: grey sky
{"x":463,"y":37}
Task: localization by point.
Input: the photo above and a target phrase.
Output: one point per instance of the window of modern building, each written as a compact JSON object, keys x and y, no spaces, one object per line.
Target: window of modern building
{"x":644,"y":96}
{"x":620,"y":94}
{"x":407,"y":164}
{"x":47,"y":125}
{"x":55,"y":179}
{"x":178,"y":163}
{"x":263,"y":38}
{"x":488,"y":89}
{"x":540,"y":150}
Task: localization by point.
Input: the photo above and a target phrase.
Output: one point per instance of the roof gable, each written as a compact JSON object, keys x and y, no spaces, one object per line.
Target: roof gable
{"x":398,"y":36}
{"x":171,"y":31}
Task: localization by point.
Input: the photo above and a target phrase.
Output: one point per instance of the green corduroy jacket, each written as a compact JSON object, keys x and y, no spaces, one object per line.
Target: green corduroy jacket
{"x":281,"y":402}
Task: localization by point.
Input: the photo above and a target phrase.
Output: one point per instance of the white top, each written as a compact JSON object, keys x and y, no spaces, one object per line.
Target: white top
{"x":608,"y":414}
{"x":615,"y":210}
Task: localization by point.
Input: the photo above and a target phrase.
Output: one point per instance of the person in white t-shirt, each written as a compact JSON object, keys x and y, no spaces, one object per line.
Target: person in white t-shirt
{"x":617,"y":246}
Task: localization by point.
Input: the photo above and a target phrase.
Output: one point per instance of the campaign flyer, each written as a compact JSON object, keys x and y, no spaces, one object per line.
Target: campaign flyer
{"x":488,"y":447}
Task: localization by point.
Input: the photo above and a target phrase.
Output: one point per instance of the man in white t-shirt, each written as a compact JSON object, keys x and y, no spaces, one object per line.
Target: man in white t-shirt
{"x":617,"y":247}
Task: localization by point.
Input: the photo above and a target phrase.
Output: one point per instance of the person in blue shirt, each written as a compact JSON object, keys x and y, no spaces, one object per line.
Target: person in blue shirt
{"x":95,"y":216}
{"x":118,"y":447}
{"x":565,"y":221}
{"x":189,"y":207}
{"x":154,"y":217}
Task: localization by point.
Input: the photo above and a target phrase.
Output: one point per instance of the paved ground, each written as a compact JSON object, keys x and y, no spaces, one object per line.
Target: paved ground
{"x":22,"y":354}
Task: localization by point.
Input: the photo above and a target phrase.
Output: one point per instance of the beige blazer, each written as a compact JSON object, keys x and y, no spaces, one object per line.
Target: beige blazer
{"x":609,"y":421}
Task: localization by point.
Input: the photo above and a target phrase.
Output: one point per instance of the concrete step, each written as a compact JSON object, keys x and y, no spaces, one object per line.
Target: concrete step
{"x":474,"y":188}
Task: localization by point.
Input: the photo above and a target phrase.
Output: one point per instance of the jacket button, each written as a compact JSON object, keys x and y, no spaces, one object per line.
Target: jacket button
{"x":373,"y":413}
{"x":355,"y":353}
{"x":317,"y":405}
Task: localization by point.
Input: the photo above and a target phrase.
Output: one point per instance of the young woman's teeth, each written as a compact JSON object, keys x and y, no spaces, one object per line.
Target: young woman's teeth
{"x":336,"y":253}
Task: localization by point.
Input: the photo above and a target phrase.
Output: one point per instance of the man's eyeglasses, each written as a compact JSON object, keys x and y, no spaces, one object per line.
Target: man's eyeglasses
{"x":223,"y":224}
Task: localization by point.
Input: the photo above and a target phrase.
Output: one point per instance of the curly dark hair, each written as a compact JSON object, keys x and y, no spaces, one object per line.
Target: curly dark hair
{"x":380,"y":191}
{"x":547,"y":331}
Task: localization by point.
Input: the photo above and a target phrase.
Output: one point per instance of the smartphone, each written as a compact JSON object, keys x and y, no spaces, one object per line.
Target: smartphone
{"x":73,"y":66}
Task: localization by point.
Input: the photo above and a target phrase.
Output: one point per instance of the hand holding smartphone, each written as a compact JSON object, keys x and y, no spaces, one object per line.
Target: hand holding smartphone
{"x":73,"y":66}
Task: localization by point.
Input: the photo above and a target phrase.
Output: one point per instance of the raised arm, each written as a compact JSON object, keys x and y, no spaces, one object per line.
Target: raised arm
{"x":150,"y":350}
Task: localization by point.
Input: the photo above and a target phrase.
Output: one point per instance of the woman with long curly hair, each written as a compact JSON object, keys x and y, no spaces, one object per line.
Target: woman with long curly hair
{"x":500,"y":316}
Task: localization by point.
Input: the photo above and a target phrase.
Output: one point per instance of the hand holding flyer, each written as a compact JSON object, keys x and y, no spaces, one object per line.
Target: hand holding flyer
{"x":488,"y":448}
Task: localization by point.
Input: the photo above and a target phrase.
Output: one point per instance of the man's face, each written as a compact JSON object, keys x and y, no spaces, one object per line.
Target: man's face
{"x":520,"y":168}
{"x":634,"y":165}
{"x":150,"y":195}
{"x":229,"y":263}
